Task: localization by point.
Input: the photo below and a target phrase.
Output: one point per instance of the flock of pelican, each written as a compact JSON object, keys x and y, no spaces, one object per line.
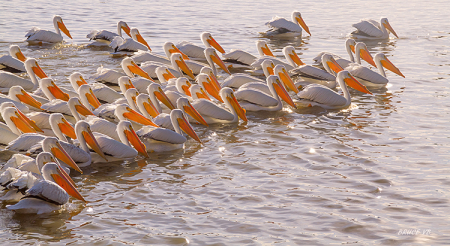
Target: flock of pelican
{"x":151,"y":105}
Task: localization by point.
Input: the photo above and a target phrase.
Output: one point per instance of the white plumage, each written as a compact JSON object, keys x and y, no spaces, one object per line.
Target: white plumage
{"x":368,"y":29}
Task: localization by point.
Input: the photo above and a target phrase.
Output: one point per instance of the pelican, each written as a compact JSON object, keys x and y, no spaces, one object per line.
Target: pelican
{"x":256,"y":100}
{"x":197,"y":52}
{"x":48,"y":195}
{"x":156,"y":93}
{"x":213,"y":113}
{"x":110,"y":76}
{"x":236,"y":80}
{"x":161,"y":139}
{"x":368,"y":29}
{"x":63,"y":107}
{"x":103,"y":93}
{"x":285,"y":28}
{"x":319,"y":95}
{"x":14,"y":61}
{"x":279,"y":71}
{"x":52,"y":91}
{"x":349,"y":47}
{"x":38,"y":36}
{"x":168,"y":47}
{"x":8,"y":79}
{"x":107,"y":37}
{"x":138,"y":37}
{"x":178,"y":66}
{"x":239,"y":58}
{"x":134,"y":44}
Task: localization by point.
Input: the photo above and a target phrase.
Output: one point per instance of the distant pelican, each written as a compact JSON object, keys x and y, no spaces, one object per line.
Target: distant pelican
{"x":14,"y":61}
{"x":37,"y":36}
{"x":368,"y":29}
{"x":107,"y":37}
{"x":285,"y":28}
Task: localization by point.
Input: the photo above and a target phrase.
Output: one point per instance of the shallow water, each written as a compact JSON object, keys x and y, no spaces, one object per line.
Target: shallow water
{"x":309,"y":176}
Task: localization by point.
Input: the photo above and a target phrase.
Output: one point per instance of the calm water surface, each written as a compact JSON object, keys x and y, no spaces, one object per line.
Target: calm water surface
{"x":309,"y":176}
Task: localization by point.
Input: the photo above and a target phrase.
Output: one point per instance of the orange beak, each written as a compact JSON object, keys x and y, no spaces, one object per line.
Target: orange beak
{"x":352,"y":82}
{"x":92,"y":99}
{"x":211,"y":89}
{"x":38,"y":71}
{"x":83,"y":110}
{"x":187,"y":128}
{"x":216,"y":45}
{"x":137,"y":70}
{"x":388,"y":65}
{"x":267,"y":51}
{"x":388,"y":26}
{"x":61,"y":154}
{"x":190,"y":110}
{"x":135,"y":141}
{"x":81,"y":81}
{"x":182,"y":65}
{"x":284,"y":76}
{"x":22,"y":124}
{"x":127,"y":30}
{"x":67,"y":129}
{"x":141,"y":40}
{"x":203,"y":94}
{"x":30,"y":122}
{"x":58,"y":93}
{"x":364,"y":53}
{"x":334,"y":65}
{"x":186,"y":88}
{"x":176,"y":50}
{"x":302,"y":23}
{"x":64,"y":29}
{"x":168,"y":75}
{"x":283,"y":93}
{"x":150,"y":108}
{"x":352,"y":47}
{"x":215,"y":82}
{"x":237,"y":107}
{"x":216,"y":59}
{"x":163,"y":98}
{"x":29,"y":100}
{"x":296,"y":59}
{"x":92,"y":142}
{"x":68,"y":185}
{"x":137,"y":117}
{"x":20,"y":56}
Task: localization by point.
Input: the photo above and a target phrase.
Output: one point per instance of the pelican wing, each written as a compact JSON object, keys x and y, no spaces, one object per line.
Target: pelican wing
{"x":210,"y":109}
{"x":257,"y":63}
{"x":103,"y":126}
{"x":7,"y":134}
{"x":39,"y":35}
{"x":163,"y":120}
{"x":258,"y":86}
{"x":150,"y":67}
{"x":41,"y":119}
{"x":106,"y":111}
{"x":11,"y":64}
{"x":8,"y":80}
{"x":127,"y":44}
{"x":191,"y":49}
{"x":309,"y":71}
{"x":24,"y":142}
{"x":161,"y":134}
{"x":57,"y":106}
{"x":282,"y":23}
{"x":22,"y":107}
{"x":107,"y":75}
{"x":141,"y":84}
{"x":256,"y":97}
{"x":105,"y":93}
{"x":102,"y":35}
{"x":236,"y":80}
{"x":144,"y":56}
{"x":48,"y":191}
{"x":321,"y":94}
{"x":114,"y":148}
{"x":368,"y":28}
{"x":15,"y":161}
{"x":364,"y":73}
{"x":239,"y":56}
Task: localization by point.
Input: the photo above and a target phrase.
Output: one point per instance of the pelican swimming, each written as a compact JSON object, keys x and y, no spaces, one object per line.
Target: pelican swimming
{"x":49,"y":194}
{"x":106,"y":75}
{"x":236,"y":80}
{"x":368,"y":29}
{"x":103,"y":93}
{"x":197,"y":52}
{"x":38,"y":36}
{"x":32,"y":67}
{"x":168,"y":47}
{"x":126,"y":45}
{"x":237,"y":57}
{"x":319,"y":95}
{"x":106,"y":37}
{"x":14,"y":61}
{"x":280,"y":27}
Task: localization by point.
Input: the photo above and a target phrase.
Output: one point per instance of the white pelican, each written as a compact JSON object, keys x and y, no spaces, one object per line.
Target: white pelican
{"x":285,"y":28}
{"x":279,"y":71}
{"x":168,"y":47}
{"x":107,"y":37}
{"x":349,"y":47}
{"x":161,"y":139}
{"x":48,"y":195}
{"x":205,"y":81}
{"x":63,"y":107}
{"x":236,"y":80}
{"x":213,"y":113}
{"x":38,"y":36}
{"x":243,"y":59}
{"x":368,"y":29}
{"x":103,"y":93}
{"x":319,"y":95}
{"x":14,"y":61}
{"x":52,"y":91}
{"x":138,"y":37}
{"x":156,"y":93}
{"x":256,"y":100}
{"x":125,"y":112}
{"x":8,"y":79}
{"x":197,"y":52}
{"x":134,"y":44}
{"x":110,"y":76}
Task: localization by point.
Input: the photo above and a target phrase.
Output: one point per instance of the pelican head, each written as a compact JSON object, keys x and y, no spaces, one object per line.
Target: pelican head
{"x":281,"y":72}
{"x":164,"y":75}
{"x":76,"y":107}
{"x":177,"y":62}
{"x":351,"y":81}
{"x":125,"y":84}
{"x":145,"y":106}
{"x":297,"y":18}
{"x":179,"y":121}
{"x":138,"y":37}
{"x":263,"y":49}
{"x":44,"y":158}
{"x":212,"y":77}
{"x":209,"y":41}
{"x":274,"y":81}
{"x":362,"y":52}
{"x":76,"y":80}
{"x":131,"y":95}
{"x":184,"y":104}
{"x":18,"y":94}
{"x":156,"y":90}
{"x":88,"y":97}
{"x":170,"y":48}
{"x":211,"y":53}
{"x":350,"y":43}
{"x":125,"y":112}
{"x":131,"y":68}
{"x":268,"y":66}
{"x":60,"y":125}
{"x":52,"y":91}
{"x":16,"y":122}
{"x":183,"y":85}
{"x":385,"y":23}
{"x":205,"y":82}
{"x":32,"y":67}
{"x":59,"y":24}
{"x":230,"y":100}
{"x":87,"y":138}
{"x":122,"y":25}
{"x":128,"y":136}
{"x":52,"y":145}
{"x":292,"y":57}
{"x":52,"y":171}
{"x":382,"y":60}
{"x":14,"y":51}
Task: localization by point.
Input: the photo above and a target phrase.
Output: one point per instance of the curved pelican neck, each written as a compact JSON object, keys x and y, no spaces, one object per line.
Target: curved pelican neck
{"x":344,"y":89}
{"x":55,"y":23}
{"x":275,"y":95}
{"x":32,"y":75}
{"x":73,"y":110}
{"x":350,"y":53}
{"x":380,"y":66}
{"x":56,"y":130}
{"x":211,"y":64}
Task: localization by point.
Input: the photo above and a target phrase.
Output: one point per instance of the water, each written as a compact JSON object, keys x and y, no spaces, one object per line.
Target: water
{"x":360,"y":176}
